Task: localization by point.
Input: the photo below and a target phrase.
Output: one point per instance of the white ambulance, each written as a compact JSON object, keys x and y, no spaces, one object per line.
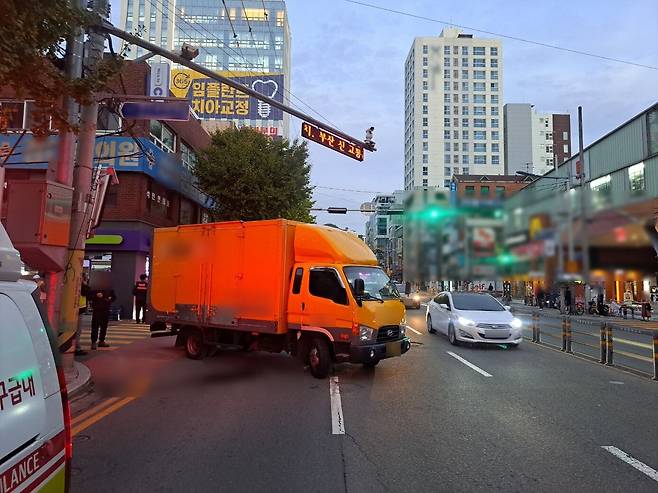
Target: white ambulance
{"x":35,"y":433}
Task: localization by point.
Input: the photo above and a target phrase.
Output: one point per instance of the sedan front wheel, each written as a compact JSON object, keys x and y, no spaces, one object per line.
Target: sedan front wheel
{"x":452,"y":337}
{"x":430,"y":329}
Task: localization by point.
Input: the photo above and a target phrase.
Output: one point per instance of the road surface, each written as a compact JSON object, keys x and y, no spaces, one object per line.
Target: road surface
{"x":440,"y":418}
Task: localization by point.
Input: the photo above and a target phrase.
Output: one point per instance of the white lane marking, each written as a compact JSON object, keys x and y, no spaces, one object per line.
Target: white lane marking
{"x":469,"y":364}
{"x":413,"y":330}
{"x":337,"y":423}
{"x":616,"y":382}
{"x":640,"y":466}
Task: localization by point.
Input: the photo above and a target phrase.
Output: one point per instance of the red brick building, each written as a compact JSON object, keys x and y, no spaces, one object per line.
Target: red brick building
{"x":488,"y":187}
{"x":156,"y":188}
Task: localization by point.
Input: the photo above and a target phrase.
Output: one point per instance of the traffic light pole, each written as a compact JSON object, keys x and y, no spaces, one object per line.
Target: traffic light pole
{"x":583,"y":201}
{"x":130,"y":38}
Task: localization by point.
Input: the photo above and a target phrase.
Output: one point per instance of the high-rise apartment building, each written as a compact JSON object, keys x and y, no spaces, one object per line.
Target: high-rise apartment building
{"x":242,"y":39}
{"x":535,"y":142}
{"x":453,"y":109}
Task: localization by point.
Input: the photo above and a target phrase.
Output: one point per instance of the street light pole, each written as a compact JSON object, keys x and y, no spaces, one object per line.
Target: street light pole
{"x":583,"y":201}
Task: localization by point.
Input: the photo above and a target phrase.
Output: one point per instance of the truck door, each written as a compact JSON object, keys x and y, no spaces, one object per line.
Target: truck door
{"x":296,"y":300}
{"x":327,"y":305}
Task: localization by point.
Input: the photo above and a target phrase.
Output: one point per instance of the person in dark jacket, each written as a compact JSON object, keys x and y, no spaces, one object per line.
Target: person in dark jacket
{"x":101,"y":300}
{"x":139,"y":291}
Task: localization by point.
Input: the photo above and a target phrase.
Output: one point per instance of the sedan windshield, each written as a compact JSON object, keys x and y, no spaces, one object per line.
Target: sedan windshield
{"x":476,"y":302}
{"x":377,"y":283}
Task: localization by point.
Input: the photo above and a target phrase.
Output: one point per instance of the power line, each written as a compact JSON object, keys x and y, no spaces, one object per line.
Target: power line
{"x":499,"y":35}
{"x":350,"y":190}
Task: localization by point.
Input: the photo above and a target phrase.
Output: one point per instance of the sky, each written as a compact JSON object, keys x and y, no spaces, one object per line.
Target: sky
{"x":348,"y":65}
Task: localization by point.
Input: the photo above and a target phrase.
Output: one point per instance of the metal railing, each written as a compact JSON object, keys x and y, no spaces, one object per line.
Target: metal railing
{"x":609,"y":341}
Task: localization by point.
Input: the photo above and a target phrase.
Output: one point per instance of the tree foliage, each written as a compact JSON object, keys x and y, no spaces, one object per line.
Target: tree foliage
{"x":32,"y":40}
{"x":251,"y":177}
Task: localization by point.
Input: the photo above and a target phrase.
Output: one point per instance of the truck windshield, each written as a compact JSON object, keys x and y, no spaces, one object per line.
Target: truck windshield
{"x":377,"y":283}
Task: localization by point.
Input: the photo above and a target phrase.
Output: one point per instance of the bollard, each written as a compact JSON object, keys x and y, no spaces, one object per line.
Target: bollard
{"x":564,"y":334}
{"x":602,"y":343}
{"x":569,"y":335}
{"x":538,"y":330}
{"x":655,"y":355}
{"x":609,"y":353}
{"x":534,"y":327}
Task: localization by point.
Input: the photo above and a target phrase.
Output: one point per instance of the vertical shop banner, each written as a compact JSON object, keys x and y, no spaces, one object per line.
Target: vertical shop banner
{"x":159,"y":83}
{"x":212,"y":100}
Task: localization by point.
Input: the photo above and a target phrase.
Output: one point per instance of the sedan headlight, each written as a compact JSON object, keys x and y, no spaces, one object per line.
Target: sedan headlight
{"x":365,"y":332}
{"x":516,"y":323}
{"x":416,"y":297}
{"x":466,"y":322}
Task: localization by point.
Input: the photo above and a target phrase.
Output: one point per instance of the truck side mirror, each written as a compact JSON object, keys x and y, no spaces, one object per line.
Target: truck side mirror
{"x":359,"y":287}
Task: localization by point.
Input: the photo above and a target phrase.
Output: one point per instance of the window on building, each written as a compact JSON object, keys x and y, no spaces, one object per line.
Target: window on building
{"x":425,"y":146}
{"x":478,"y":86}
{"x":465,"y":98}
{"x":455,"y":86}
{"x":424,"y":49}
{"x":425,"y":73}
{"x":500,"y":192}
{"x":464,"y":146}
{"x":479,"y":62}
{"x":162,"y":136}
{"x":479,"y":147}
{"x":446,"y":183}
{"x":495,"y":147}
{"x":601,"y":191}
{"x":455,"y":170}
{"x":455,"y":74}
{"x":469,"y":191}
{"x":446,"y":73}
{"x":464,"y":110}
{"x":465,"y":171}
{"x":465,"y":160}
{"x":566,"y":148}
{"x":494,"y":110}
{"x":455,"y":122}
{"x":455,"y":146}
{"x":479,"y":98}
{"x":484,"y":190}
{"x":446,"y":171}
{"x":455,"y":134}
{"x":446,"y":61}
{"x":464,"y":50}
{"x":424,"y":122}
{"x":446,"y":122}
{"x":480,"y":135}
{"x":549,"y":149}
{"x":464,"y":134}
{"x":455,"y":158}
{"x":446,"y":134}
{"x":324,"y":283}
{"x":494,"y":74}
{"x":425,"y":85}
{"x":494,"y":123}
{"x":426,"y":134}
{"x":636,"y":178}
{"x":188,"y":156}
{"x":464,"y":62}
{"x":446,"y":146}
{"x":494,"y":99}
{"x":494,"y":63}
{"x":495,"y":159}
{"x":480,"y":159}
{"x":425,"y":170}
{"x":495,"y":135}
{"x":424,"y":61}
{"x":464,"y":86}
{"x":479,"y":74}
{"x":493,"y":86}
{"x":455,"y":110}
{"x":493,"y":51}
{"x":446,"y":98}
{"x":479,"y":122}
{"x":446,"y":85}
{"x":425,"y":109}
{"x":464,"y":74}
{"x":478,"y":50}
{"x":549,"y":135}
{"x":424,"y":182}
{"x":425,"y":97}
{"x":565,"y":135}
{"x":479,"y":110}
{"x":455,"y":98}
{"x":425,"y":159}
{"x":446,"y":50}
{"x":464,"y":122}
{"x":446,"y":159}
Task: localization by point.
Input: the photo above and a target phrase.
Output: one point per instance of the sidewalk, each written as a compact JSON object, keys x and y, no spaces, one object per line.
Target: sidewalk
{"x":519,"y":305}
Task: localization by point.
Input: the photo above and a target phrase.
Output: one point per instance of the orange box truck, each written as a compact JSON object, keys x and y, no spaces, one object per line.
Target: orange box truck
{"x":313,"y":291}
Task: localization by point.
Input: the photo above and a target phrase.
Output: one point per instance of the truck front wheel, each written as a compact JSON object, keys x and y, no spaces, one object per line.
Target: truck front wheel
{"x":194,"y":346}
{"x":319,"y":357}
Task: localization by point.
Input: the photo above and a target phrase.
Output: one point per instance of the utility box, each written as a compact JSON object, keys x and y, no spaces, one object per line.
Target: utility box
{"x":39,"y":221}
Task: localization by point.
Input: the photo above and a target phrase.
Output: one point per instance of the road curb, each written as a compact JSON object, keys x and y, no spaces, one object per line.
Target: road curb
{"x":78,"y":379}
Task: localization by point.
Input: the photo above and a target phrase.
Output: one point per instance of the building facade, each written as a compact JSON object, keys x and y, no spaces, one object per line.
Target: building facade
{"x":621,"y":193}
{"x":156,"y":187}
{"x":535,"y":142}
{"x":453,"y":109}
{"x":388,"y":210}
{"x":242,"y":39}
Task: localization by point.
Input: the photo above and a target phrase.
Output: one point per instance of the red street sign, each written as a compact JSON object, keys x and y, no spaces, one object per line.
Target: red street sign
{"x":332,"y":141}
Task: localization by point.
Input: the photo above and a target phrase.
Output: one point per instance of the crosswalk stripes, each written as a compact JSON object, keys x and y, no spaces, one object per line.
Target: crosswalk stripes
{"x":118,"y":334}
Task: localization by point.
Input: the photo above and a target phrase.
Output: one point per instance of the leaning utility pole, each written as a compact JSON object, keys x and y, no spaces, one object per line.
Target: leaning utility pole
{"x":82,"y":184}
{"x":583,"y":201}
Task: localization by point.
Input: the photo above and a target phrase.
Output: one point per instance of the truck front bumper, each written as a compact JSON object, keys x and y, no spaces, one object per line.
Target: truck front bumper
{"x":382,"y":350}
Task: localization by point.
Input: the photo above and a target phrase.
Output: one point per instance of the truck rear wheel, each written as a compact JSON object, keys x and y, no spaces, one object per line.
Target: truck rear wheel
{"x":319,"y":357}
{"x":194,"y":346}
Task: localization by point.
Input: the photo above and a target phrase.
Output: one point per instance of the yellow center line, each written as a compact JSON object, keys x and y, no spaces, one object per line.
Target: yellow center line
{"x":633,"y":343}
{"x":100,"y":415}
{"x":93,"y":410}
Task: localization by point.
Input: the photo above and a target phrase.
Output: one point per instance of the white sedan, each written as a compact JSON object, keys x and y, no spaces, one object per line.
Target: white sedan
{"x":473,"y":317}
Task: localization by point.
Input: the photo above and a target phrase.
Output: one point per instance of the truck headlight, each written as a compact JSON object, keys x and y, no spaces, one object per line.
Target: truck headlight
{"x":516,"y":323}
{"x":466,"y":322}
{"x":365,"y":332}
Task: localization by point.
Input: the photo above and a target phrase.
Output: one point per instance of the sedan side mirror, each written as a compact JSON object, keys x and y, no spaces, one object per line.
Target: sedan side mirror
{"x":359,"y":287}
{"x":507,"y":307}
{"x":444,"y":306}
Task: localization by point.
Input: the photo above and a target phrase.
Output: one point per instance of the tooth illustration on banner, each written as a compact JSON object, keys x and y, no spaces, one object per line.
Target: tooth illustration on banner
{"x":266,"y":88}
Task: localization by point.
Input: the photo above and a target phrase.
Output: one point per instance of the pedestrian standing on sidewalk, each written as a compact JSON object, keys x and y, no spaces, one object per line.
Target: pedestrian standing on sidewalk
{"x":646,"y":310}
{"x":139,"y":291}
{"x":101,"y":300}
{"x":82,"y":309}
{"x":491,"y":288}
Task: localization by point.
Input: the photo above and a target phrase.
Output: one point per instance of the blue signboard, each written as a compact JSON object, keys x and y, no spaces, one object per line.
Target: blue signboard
{"x":122,"y":153}
{"x":156,"y":110}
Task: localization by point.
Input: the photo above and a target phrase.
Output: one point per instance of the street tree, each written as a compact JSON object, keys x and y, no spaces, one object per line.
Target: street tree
{"x":252,"y":177}
{"x":32,"y":40}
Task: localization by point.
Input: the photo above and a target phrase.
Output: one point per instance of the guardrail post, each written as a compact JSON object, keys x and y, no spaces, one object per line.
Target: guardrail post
{"x":534,"y":327}
{"x":609,"y":353}
{"x":538,"y":330}
{"x":564,"y":333}
{"x":655,"y":355}
{"x":603,"y":343}
{"x":569,"y":335}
